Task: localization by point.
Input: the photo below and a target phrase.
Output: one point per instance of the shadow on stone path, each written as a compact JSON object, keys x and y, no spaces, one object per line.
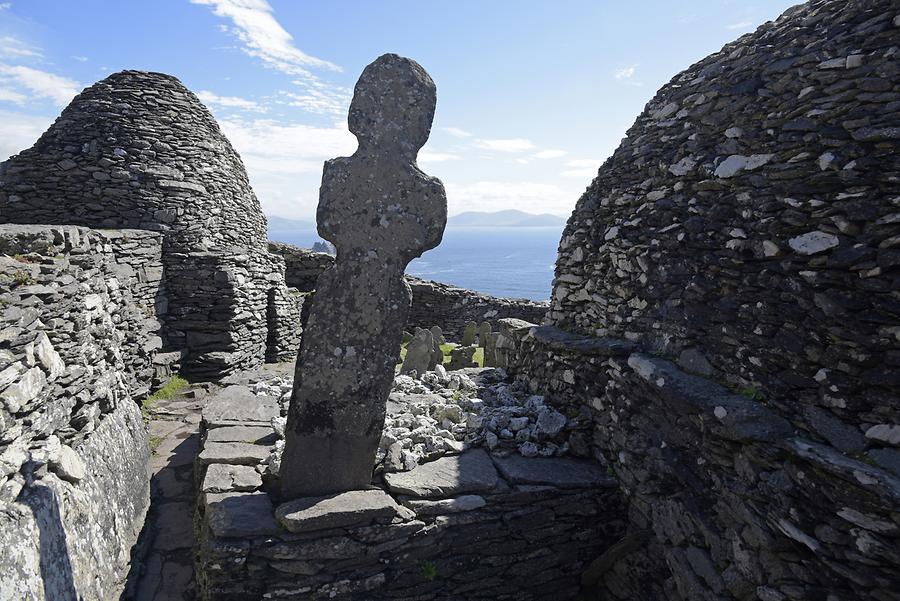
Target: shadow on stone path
{"x":163,"y":563}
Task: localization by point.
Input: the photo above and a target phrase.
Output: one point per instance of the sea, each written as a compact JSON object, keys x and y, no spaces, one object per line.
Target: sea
{"x":512,"y":262}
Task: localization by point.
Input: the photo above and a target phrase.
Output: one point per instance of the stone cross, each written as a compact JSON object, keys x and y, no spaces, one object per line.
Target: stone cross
{"x":380,"y":212}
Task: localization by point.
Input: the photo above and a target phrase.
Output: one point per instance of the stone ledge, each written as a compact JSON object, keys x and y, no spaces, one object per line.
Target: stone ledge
{"x":448,"y":476}
{"x":352,"y":508}
{"x":237,"y":406}
{"x":737,"y":417}
{"x":560,"y":340}
{"x":559,"y":472}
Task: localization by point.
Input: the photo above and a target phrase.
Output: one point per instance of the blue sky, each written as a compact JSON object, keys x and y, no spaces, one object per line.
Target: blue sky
{"x":532,"y":96}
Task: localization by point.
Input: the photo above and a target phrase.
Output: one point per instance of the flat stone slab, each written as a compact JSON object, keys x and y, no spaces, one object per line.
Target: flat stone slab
{"x":238,"y":406}
{"x":561,"y":340}
{"x":561,"y":472}
{"x":447,"y":477}
{"x":234,"y":453}
{"x":447,"y":506}
{"x":221,"y":477}
{"x":240,"y":514}
{"x":355,"y":507}
{"x":250,"y":434}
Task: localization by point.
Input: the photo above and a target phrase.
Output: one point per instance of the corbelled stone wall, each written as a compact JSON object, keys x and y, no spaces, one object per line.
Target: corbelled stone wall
{"x":748,"y":224}
{"x":78,"y":345}
{"x":726,"y":305}
{"x":433,"y":303}
{"x":139,"y":150}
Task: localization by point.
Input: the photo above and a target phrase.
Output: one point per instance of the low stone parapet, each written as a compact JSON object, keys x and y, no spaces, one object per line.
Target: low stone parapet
{"x":466,"y":526}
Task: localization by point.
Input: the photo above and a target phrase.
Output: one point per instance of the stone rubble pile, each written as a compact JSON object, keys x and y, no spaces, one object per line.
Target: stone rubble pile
{"x":446,"y":413}
{"x":471,"y":525}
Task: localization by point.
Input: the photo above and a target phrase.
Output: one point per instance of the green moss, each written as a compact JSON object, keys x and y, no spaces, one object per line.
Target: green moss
{"x":153,"y":442}
{"x":175,"y":385}
{"x":478,"y":357}
{"x":429,"y":571}
{"x":750,"y":391}
{"x":17,"y":278}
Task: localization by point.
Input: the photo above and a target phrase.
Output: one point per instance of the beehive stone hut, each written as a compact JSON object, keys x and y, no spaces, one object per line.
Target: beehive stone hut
{"x":138,"y":150}
{"x":726,"y":303}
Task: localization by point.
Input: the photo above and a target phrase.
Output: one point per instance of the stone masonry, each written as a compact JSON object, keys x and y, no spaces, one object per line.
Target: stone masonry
{"x":78,"y":338}
{"x":433,"y":303}
{"x":726,"y":306}
{"x":138,"y":150}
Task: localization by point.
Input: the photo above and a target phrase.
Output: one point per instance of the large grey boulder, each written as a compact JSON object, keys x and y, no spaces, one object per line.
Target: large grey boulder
{"x":380,"y":212}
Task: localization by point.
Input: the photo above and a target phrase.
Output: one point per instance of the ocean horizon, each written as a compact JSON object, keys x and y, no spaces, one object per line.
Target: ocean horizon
{"x":510,"y":262}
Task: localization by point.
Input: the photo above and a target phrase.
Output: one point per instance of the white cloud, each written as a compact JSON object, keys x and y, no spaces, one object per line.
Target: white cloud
{"x":232,"y":102}
{"x":11,"y":47}
{"x":19,"y":131}
{"x":320,"y":98}
{"x":12,"y":96}
{"x":582,"y":168}
{"x":457,"y":132}
{"x":428,"y":156}
{"x":496,"y":195}
{"x":269,"y":146}
{"x":40,"y":84}
{"x":625,"y":72}
{"x":506,"y":145}
{"x":5,"y":5}
{"x":741,"y":25}
{"x":549,"y":154}
{"x":264,"y":37}
{"x":80,"y":59}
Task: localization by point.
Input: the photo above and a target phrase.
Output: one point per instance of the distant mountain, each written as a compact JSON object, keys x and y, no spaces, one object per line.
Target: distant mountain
{"x":508,"y":218}
{"x":278,"y":224}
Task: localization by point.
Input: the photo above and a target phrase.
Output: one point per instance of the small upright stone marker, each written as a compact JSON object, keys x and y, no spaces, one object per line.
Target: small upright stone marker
{"x":419,"y":353}
{"x":484,"y":332}
{"x":468,"y":337}
{"x":380,"y":212}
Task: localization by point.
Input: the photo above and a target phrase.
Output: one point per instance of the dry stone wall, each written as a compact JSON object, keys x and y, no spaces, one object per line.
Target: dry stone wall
{"x":139,"y":150}
{"x":464,"y":526}
{"x":748,"y":225}
{"x":726,"y":306}
{"x":434,"y":303}
{"x":79,"y":342}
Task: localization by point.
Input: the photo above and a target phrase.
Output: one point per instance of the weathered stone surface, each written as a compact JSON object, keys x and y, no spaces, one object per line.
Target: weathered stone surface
{"x":237,"y":514}
{"x":468,"y":337}
{"x":419,"y":352}
{"x":222,"y":477}
{"x":561,"y":472}
{"x":233,"y":453}
{"x":237,"y":406}
{"x":470,"y":472}
{"x":352,"y":508}
{"x":139,"y":150}
{"x":380,"y":211}
{"x":446,"y":506}
{"x":250,"y":434}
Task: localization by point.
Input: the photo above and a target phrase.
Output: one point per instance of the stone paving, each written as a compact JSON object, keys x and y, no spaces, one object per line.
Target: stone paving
{"x":164,"y":566}
{"x":163,"y":562}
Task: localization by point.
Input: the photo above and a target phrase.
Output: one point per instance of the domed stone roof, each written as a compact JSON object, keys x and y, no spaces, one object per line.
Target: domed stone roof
{"x":748,"y":223}
{"x":136,"y":150}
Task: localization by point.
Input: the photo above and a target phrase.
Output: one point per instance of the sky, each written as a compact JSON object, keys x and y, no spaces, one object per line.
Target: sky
{"x":532,"y":95}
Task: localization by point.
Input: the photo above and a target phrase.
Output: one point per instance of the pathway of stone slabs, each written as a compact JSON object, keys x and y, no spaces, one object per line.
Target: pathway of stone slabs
{"x":164,"y":569}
